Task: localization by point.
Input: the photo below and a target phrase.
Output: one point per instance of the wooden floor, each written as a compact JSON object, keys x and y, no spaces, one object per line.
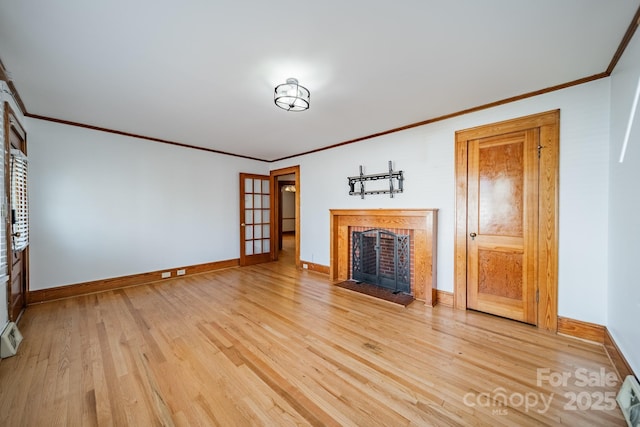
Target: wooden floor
{"x":270,"y":345}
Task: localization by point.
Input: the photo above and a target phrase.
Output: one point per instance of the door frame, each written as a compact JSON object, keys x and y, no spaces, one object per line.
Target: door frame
{"x":275,"y":219}
{"x":548,"y":220}
{"x":12,"y":124}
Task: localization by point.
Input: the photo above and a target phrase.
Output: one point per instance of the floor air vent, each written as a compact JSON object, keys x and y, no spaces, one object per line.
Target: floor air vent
{"x":629,"y":400}
{"x":10,"y":340}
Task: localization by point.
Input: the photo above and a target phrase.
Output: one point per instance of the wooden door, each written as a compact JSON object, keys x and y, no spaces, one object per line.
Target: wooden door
{"x":503,"y":225}
{"x":255,"y":219}
{"x":17,"y":256}
{"x":478,"y":258}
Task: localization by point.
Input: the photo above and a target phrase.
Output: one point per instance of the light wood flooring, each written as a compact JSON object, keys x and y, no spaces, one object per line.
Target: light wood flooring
{"x":270,"y":345}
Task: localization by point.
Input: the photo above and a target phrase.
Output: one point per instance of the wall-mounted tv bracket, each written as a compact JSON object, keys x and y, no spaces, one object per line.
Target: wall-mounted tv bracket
{"x":391,"y":175}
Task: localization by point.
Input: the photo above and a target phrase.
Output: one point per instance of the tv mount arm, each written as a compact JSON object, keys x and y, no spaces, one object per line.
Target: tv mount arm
{"x":361,"y":179}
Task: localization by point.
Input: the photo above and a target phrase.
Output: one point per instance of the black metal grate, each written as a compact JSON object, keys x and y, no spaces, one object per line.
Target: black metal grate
{"x":382,"y":258}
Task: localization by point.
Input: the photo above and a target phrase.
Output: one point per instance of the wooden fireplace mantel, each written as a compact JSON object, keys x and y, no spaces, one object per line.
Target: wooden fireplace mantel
{"x":423,"y":223}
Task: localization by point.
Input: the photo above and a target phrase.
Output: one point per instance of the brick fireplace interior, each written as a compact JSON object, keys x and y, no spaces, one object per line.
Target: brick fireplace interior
{"x":382,"y":257}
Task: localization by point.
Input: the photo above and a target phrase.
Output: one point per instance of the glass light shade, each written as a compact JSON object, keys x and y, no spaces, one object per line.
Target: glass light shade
{"x":291,"y":96}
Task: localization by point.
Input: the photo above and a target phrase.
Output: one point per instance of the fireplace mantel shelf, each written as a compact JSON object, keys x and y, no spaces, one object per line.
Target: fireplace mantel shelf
{"x":423,"y":223}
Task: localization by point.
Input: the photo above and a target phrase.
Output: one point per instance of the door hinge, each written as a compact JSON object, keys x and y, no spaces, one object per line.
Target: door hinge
{"x":537,"y":295}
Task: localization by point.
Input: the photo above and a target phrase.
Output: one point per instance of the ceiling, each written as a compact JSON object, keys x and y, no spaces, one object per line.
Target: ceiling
{"x":202,"y":72}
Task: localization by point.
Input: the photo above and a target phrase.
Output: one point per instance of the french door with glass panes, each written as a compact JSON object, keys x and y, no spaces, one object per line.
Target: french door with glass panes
{"x":255,"y":217}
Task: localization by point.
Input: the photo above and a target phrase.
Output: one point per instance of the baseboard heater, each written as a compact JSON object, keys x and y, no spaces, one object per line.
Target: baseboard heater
{"x":10,"y":339}
{"x":629,"y":400}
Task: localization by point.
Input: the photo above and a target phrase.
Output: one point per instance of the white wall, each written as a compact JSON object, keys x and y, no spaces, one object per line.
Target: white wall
{"x":426,"y":155}
{"x":288,"y":211}
{"x":105,"y":205}
{"x":624,"y":204}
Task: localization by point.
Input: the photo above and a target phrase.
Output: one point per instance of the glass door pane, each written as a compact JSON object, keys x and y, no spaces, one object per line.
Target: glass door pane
{"x":256,"y":216}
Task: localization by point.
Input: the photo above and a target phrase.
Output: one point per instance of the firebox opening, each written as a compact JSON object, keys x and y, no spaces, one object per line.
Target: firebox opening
{"x":381,"y":258}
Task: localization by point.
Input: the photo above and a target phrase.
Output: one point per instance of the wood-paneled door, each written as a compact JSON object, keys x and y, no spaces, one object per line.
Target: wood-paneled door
{"x":502,"y":223}
{"x":17,"y":256}
{"x":255,"y":219}
{"x":506,"y":219}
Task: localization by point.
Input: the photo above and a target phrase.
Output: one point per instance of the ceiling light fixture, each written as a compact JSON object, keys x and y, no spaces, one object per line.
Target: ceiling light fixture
{"x":291,"y":96}
{"x":289,"y":188}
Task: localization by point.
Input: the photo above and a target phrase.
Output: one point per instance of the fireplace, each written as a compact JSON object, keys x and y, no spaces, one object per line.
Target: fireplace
{"x":382,"y":258}
{"x":420,"y":224}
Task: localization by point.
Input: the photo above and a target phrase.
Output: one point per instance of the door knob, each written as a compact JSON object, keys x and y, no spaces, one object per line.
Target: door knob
{"x":473,"y":236}
{"x":242,"y":225}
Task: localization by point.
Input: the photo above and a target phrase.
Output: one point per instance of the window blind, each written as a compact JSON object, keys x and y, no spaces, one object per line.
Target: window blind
{"x":19,"y":201}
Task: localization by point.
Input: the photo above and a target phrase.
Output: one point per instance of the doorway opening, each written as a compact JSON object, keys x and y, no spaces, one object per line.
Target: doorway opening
{"x":285,"y":184}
